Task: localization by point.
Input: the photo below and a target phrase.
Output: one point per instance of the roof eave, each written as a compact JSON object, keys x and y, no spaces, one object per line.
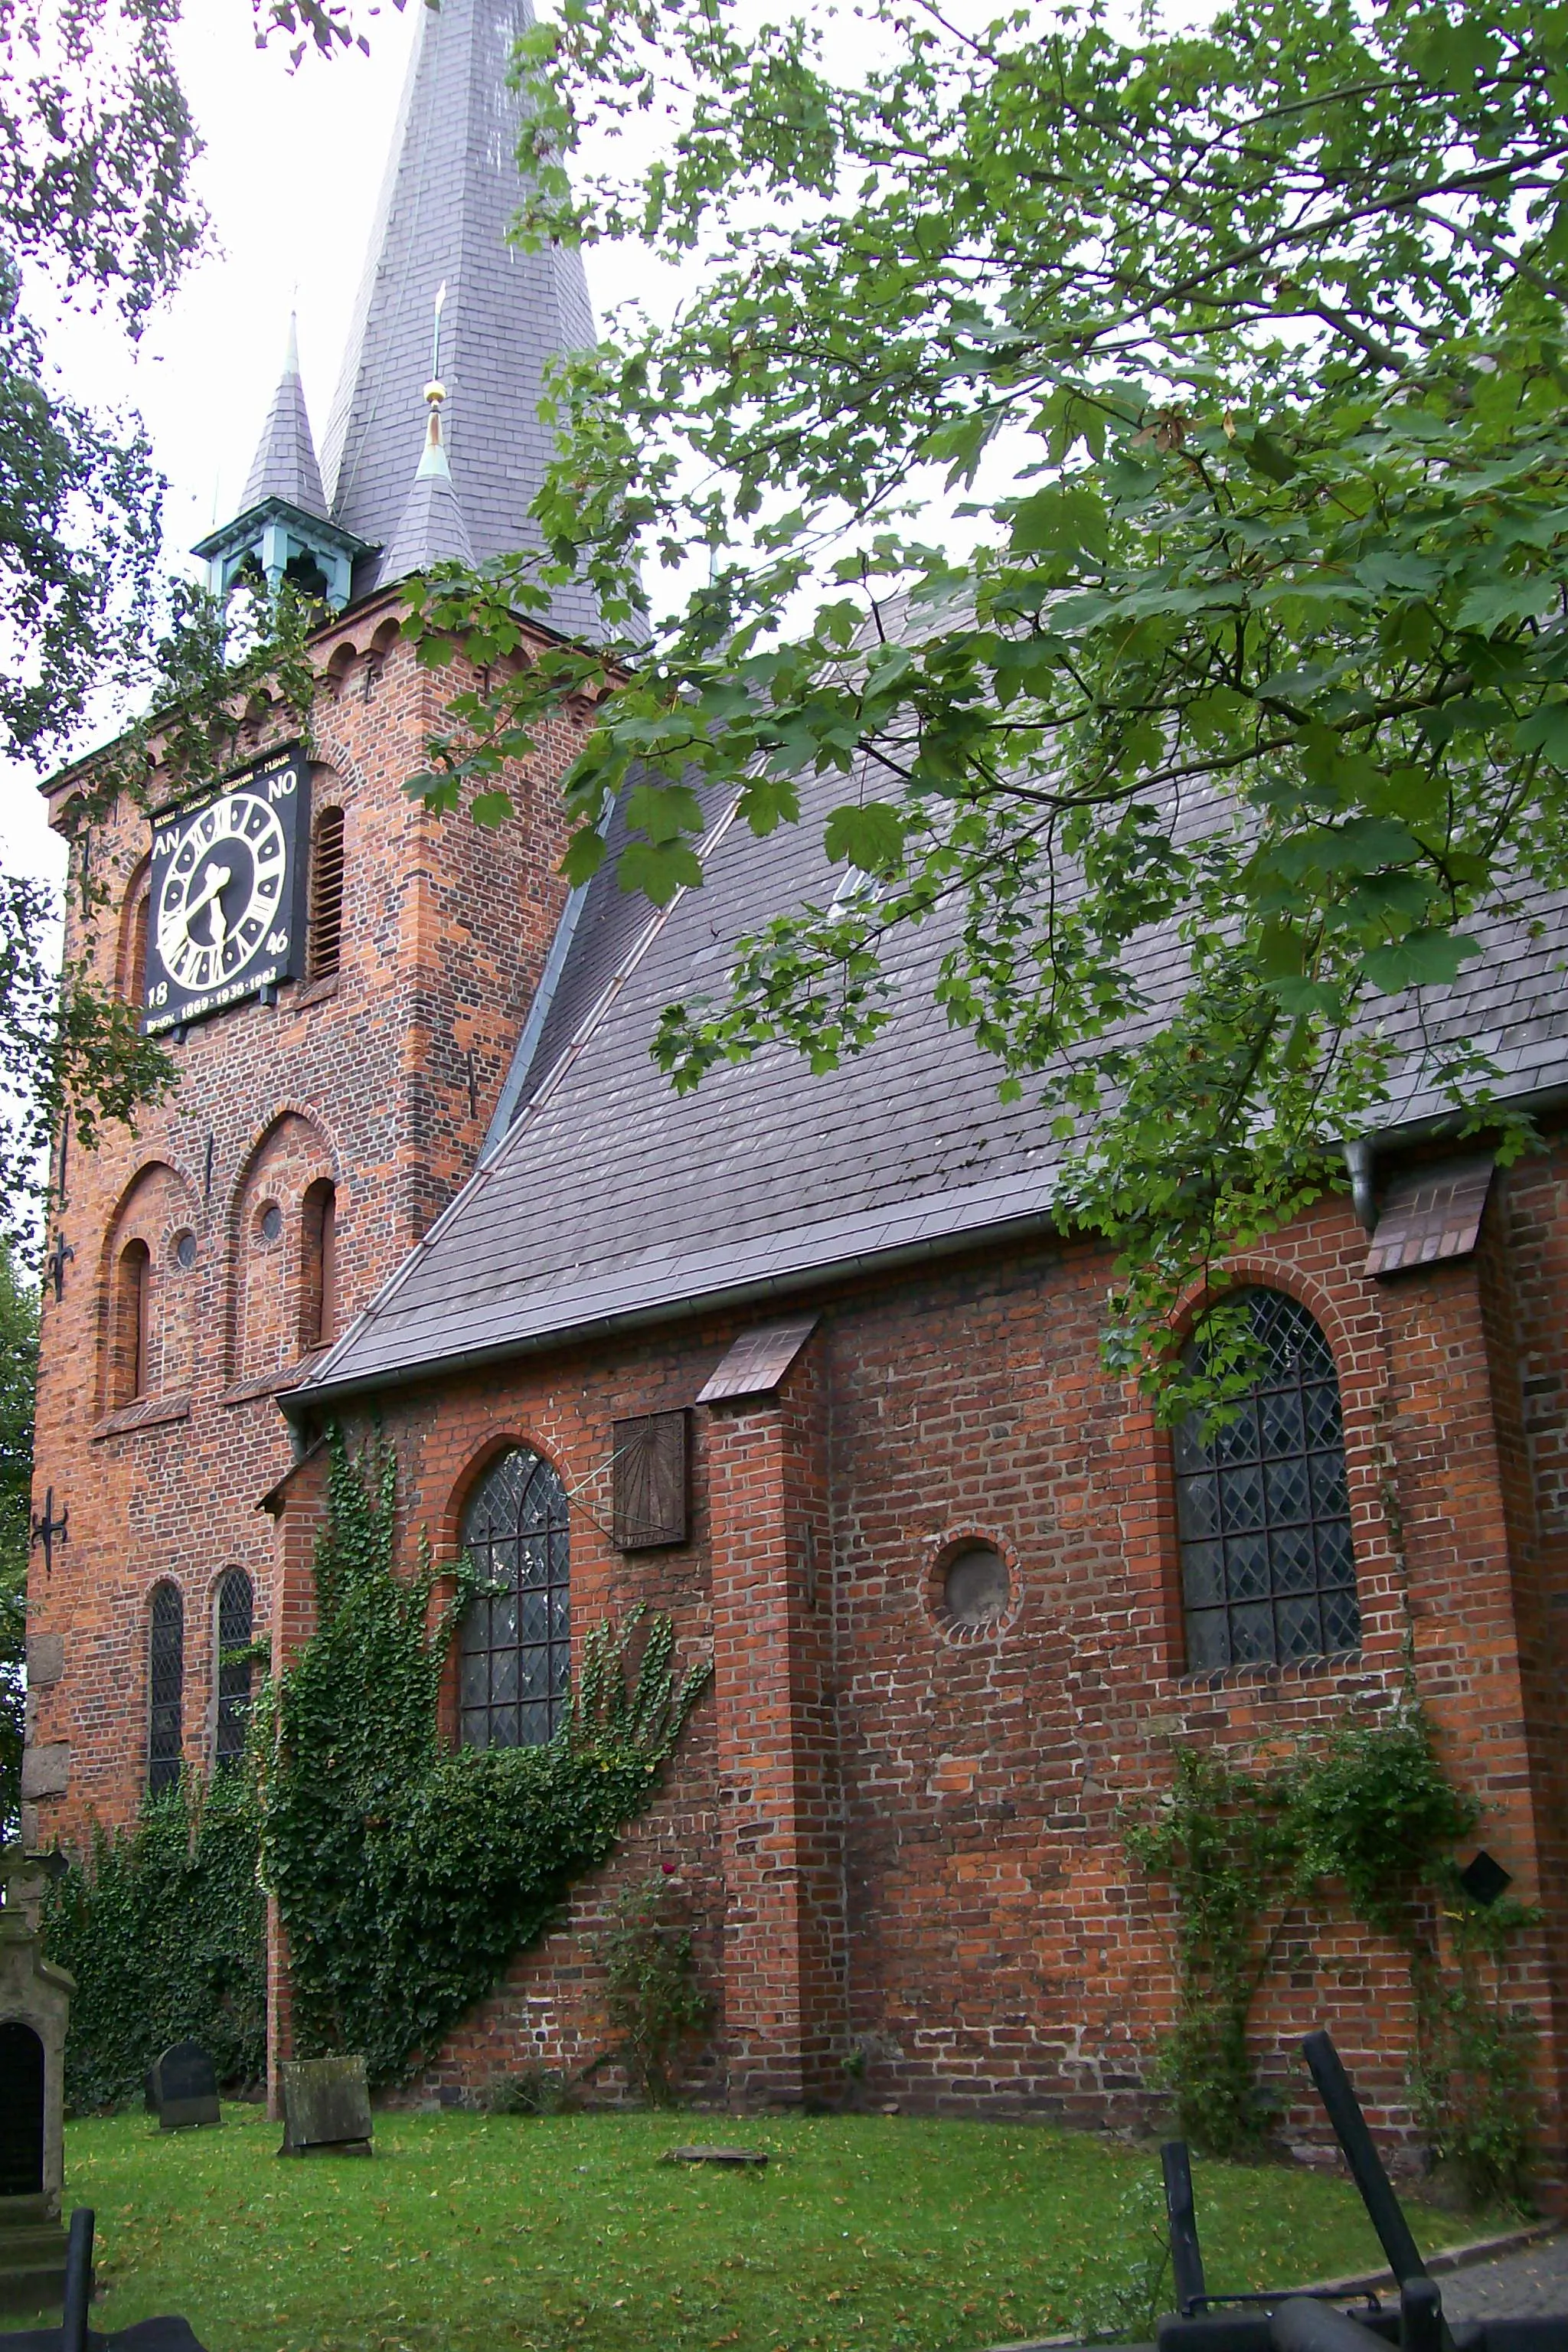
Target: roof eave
{"x":1022,"y":1225}
{"x":297,"y":1404}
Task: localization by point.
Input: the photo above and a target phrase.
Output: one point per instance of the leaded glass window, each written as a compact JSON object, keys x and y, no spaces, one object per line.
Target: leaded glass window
{"x":1267,"y":1566}
{"x":165,"y":1688}
{"x":236,"y":1627}
{"x":515,"y":1651}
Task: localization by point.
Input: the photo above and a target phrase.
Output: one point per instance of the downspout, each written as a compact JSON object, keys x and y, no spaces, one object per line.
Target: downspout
{"x":1361,"y":1156}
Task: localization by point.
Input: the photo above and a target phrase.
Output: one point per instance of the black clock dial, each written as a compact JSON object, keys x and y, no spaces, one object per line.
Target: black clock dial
{"x":224,"y":892}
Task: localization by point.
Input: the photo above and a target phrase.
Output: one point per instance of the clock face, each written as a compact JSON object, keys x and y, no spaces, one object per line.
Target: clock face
{"x":224,"y":895}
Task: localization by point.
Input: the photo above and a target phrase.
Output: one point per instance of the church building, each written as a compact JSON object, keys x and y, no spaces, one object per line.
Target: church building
{"x":809,"y":1361}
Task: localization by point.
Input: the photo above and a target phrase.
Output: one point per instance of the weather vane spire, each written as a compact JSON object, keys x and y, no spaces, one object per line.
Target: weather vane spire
{"x":434,"y":460}
{"x":435,"y":389}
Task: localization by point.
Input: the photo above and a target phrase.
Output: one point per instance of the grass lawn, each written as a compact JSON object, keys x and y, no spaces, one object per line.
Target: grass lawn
{"x":467,"y":2231}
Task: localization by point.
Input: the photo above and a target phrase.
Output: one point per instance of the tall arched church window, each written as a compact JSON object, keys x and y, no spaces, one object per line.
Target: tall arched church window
{"x":133,"y":1305}
{"x":165,"y":1688}
{"x":1267,"y":1566}
{"x":326,"y":938}
{"x":515,"y":1651}
{"x":318,"y":1287}
{"x":235,"y":1629}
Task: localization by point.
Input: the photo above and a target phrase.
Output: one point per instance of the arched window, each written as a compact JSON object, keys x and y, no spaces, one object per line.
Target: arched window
{"x":326,"y":935}
{"x":132,"y":1301}
{"x":236,"y":1627}
{"x":165,"y":1688}
{"x":318,"y":1269}
{"x":515,"y":1661}
{"x":1268,"y":1567}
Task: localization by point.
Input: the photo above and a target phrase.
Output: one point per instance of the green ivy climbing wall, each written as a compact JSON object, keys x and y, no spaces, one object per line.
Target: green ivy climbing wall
{"x":407,"y":1874}
{"x":1364,"y":1820}
{"x":164,"y":1927}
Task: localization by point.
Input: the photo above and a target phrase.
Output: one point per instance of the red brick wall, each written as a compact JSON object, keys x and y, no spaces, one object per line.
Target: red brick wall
{"x":900,"y":1839}
{"x":903,"y":1837}
{"x":381,"y":1081}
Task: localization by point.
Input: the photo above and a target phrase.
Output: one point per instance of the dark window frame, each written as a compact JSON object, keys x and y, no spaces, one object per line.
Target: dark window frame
{"x":514,"y":1646}
{"x":1268,"y":1557}
{"x":234,"y":1620}
{"x":165,"y":1686}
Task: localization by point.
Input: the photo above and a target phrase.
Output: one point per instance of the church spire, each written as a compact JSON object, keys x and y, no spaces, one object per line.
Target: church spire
{"x":284,"y":466}
{"x":432,"y":528}
{"x":282,"y":530}
{"x":451,"y":191}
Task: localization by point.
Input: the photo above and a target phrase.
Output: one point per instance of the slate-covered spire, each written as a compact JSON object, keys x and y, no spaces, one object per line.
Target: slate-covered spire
{"x":283,"y":530}
{"x":284,"y":466}
{"x":431,"y":528}
{"x":451,"y":191}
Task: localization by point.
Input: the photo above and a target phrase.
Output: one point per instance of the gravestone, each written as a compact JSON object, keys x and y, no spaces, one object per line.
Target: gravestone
{"x":35,"y":2007}
{"x":184,"y":2087}
{"x":326,"y":2108}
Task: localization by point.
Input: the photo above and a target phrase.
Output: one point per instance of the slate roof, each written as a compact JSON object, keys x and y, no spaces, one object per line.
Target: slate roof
{"x":432,"y":528}
{"x":451,"y":189}
{"x":284,"y":466}
{"x":611,"y":1199}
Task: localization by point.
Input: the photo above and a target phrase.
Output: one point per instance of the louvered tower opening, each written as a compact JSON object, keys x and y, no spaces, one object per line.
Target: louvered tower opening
{"x":327,"y":895}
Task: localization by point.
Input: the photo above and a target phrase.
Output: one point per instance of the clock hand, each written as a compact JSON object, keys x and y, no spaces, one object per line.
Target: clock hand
{"x":216,"y":880}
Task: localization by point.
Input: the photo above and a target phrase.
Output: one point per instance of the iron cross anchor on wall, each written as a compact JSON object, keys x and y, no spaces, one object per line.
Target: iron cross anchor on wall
{"x":49,"y":1530}
{"x":56,"y":1262}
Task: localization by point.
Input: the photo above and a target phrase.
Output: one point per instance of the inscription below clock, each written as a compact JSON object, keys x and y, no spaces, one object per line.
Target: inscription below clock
{"x":226,"y":882}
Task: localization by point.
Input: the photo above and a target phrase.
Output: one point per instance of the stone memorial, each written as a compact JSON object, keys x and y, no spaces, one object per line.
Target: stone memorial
{"x":35,"y":2008}
{"x":183,"y":2088}
{"x":326,"y":2108}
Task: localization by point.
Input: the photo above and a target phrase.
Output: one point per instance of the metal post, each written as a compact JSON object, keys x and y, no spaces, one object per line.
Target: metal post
{"x":1420,"y":2316}
{"x":79,"y":2281}
{"x":1186,"y":2255}
{"x":1384,"y":2209}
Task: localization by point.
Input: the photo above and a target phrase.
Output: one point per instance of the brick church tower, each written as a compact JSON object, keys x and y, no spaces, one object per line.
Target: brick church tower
{"x":342,"y":981}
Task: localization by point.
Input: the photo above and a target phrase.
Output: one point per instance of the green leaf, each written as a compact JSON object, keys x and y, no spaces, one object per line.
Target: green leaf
{"x":1500,"y":603}
{"x":1067,"y":520}
{"x":1265,"y":455}
{"x":585,"y":853}
{"x":1432,"y":959}
{"x":658,"y":869}
{"x":871,"y":837}
{"x":441,"y":794}
{"x":1545,"y":729}
{"x":664,"y":811}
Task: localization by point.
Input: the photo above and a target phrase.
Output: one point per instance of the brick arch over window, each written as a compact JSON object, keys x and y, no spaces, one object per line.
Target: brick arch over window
{"x":514,"y":1647}
{"x":1262,"y":1509}
{"x":148,"y":1295}
{"x":166,"y":1686}
{"x":275,"y":1259}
